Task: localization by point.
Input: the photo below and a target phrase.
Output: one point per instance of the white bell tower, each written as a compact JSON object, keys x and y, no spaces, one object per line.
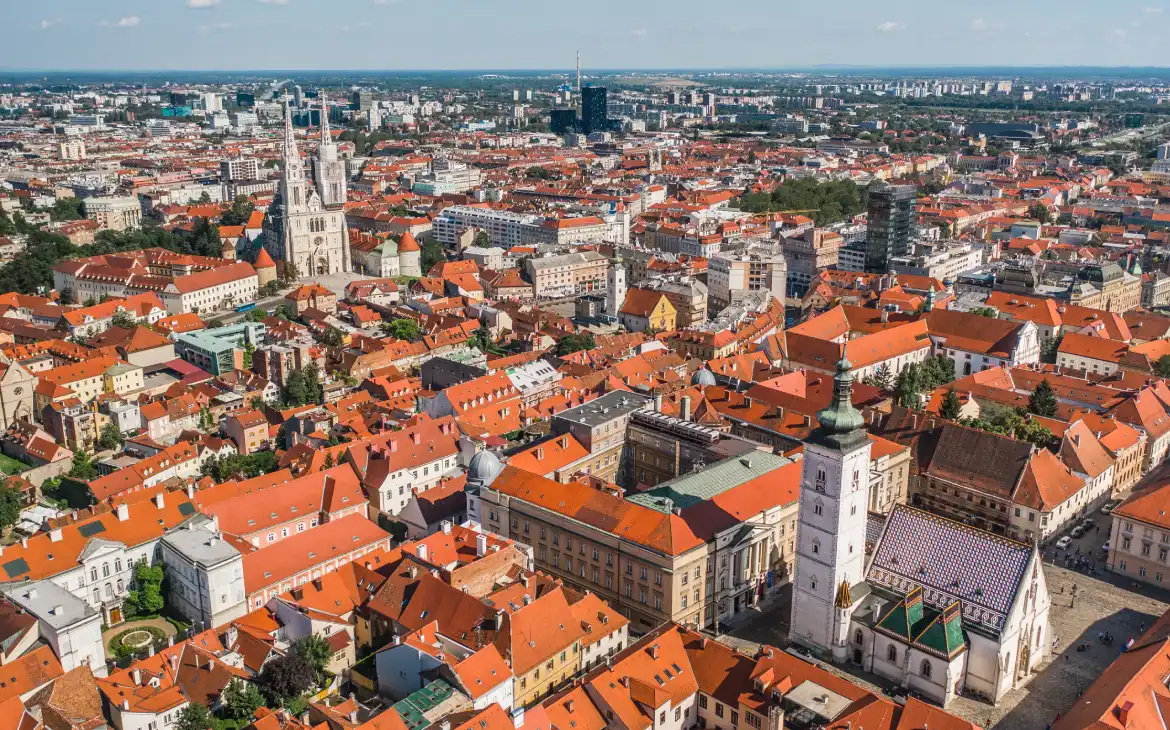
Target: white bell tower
{"x":615,"y":281}
{"x":830,"y":535}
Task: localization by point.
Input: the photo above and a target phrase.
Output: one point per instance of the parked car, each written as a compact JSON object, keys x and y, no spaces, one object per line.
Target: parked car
{"x":1078,"y":531}
{"x":1064,"y":542}
{"x":1108,"y":508}
{"x":1105,"y":547}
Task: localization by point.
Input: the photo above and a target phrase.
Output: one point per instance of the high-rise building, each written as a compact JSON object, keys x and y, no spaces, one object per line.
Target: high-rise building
{"x":891,"y":225}
{"x":243,"y":98}
{"x":562,"y":121}
{"x":594,"y":100}
{"x":239,"y":168}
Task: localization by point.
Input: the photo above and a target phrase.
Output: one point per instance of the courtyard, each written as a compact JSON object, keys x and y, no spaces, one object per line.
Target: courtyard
{"x":1099,"y":606}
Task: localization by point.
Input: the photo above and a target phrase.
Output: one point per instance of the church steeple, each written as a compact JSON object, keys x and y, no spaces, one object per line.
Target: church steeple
{"x":326,"y":137}
{"x":842,"y":427}
{"x":294,"y":168}
{"x":331,"y":182}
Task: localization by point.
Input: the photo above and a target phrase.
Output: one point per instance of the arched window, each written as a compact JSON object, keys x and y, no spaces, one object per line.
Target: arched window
{"x":821,"y":479}
{"x":857,"y":637}
{"x":816,"y":546}
{"x":926,"y":668}
{"x":892,"y":653}
{"x":812,"y":583}
{"x":818,"y":509}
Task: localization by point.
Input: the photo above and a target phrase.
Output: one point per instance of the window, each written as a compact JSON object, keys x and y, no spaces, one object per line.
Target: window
{"x":677,"y":714}
{"x":857,"y":637}
{"x":892,"y":653}
{"x":734,"y":718}
{"x":702,"y":701}
{"x":812,"y":583}
{"x":926,"y":668}
{"x":718,"y":709}
{"x":817,"y":509}
{"x":643,"y":573}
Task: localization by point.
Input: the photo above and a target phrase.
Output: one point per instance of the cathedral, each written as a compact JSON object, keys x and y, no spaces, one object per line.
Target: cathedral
{"x":934,"y":605}
{"x":305,"y":229}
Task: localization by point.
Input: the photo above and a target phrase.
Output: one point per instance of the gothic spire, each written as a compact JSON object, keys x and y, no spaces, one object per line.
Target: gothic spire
{"x":293,"y":167}
{"x":326,"y":138}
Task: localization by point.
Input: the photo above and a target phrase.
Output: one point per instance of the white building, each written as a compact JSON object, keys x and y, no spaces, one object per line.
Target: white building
{"x":731,"y":276}
{"x":71,"y":150}
{"x":206,"y":574}
{"x":71,"y":626}
{"x":329,"y":167}
{"x":940,"y":607}
{"x":115,"y":213}
{"x":506,"y":229}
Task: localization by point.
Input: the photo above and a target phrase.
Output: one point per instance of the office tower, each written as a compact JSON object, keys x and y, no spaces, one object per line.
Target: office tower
{"x":891,"y":225}
{"x":593,"y":109}
{"x":298,"y":96}
{"x":243,"y":98}
{"x":563,"y":121}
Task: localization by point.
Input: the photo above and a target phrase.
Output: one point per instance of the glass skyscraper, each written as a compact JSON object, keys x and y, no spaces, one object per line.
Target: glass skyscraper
{"x":892,"y":225}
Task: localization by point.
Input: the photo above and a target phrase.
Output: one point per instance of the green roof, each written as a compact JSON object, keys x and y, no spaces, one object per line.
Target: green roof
{"x":709,"y":482}
{"x":413,"y":708}
{"x":944,"y":634}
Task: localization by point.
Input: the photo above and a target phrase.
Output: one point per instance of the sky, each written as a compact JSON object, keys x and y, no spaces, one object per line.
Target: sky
{"x":543,"y":34}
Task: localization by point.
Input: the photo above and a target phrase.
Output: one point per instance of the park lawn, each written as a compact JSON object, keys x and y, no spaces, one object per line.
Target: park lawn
{"x":11,"y":466}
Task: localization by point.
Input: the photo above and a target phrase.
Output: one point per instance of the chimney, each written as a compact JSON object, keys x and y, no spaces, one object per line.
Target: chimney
{"x":658,"y":403}
{"x":654,"y":651}
{"x":527,"y":599}
{"x":393,"y":444}
{"x":412,"y":572}
{"x":305,"y":718}
{"x":415,"y":438}
{"x":539,"y":453}
{"x":685,"y":408}
{"x":159,"y":500}
{"x":353,"y":717}
{"x":446,"y":526}
{"x":568,"y":706}
{"x":136,"y":675}
{"x":123,"y":512}
{"x":564,"y":441}
{"x":480,"y":545}
{"x":55,"y":535}
{"x":125,"y":705}
{"x":190,"y":490}
{"x":422,"y":552}
{"x":1076,"y":439}
{"x":885,"y":316}
{"x":230,"y":636}
{"x":1123,"y":711}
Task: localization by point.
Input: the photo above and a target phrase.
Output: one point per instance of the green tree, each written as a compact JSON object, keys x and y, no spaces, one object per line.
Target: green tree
{"x":111,"y":436}
{"x":984,"y":312}
{"x":569,"y":344}
{"x":402,"y":329}
{"x":241,"y":700}
{"x":483,"y":240}
{"x":249,"y":351}
{"x":7,"y":228}
{"x":883,"y":377}
{"x":1050,"y":349}
{"x":239,"y":212}
{"x":1040,"y":212}
{"x":951,"y":408}
{"x":936,"y":371}
{"x":909,"y":386}
{"x":287,"y":677}
{"x":1042,"y":402}
{"x":315,"y":650}
{"x":256,"y":315}
{"x":1163,"y":366}
{"x":146,"y":599}
{"x":83,"y":466}
{"x":10,"y":504}
{"x":284,"y":311}
{"x":432,"y":253}
{"x":123,"y":319}
{"x":332,"y":337}
{"x":66,"y":209}
{"x":194,"y":717}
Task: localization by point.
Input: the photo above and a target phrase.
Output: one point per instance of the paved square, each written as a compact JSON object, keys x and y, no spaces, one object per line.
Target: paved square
{"x":1100,"y":606}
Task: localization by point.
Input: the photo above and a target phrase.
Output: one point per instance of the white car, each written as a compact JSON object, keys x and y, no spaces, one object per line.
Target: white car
{"x":1105,"y":547}
{"x":1064,"y":542}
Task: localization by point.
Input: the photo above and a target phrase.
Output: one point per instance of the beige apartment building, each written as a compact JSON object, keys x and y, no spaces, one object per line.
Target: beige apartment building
{"x":674,"y":553}
{"x":570,"y":273}
{"x":1140,"y":535}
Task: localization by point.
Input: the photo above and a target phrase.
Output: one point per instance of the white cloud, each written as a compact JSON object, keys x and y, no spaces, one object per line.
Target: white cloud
{"x":1118,"y":34}
{"x":638,"y":32}
{"x":130,"y":21}
{"x":386,"y":2}
{"x":201,"y":3}
{"x":1150,"y":10}
{"x":46,"y":24}
{"x":890,"y":26}
{"x":979,"y":24}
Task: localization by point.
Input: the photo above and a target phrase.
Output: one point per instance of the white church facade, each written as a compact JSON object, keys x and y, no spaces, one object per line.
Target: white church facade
{"x":936,"y":606}
{"x":305,"y":230}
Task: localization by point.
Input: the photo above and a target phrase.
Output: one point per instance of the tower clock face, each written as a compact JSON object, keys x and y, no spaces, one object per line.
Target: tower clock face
{"x":319,"y":240}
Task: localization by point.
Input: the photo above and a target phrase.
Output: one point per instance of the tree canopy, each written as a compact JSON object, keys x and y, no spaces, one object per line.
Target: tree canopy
{"x":286,"y":677}
{"x":951,"y":408}
{"x":1042,"y":402}
{"x":833,"y":200}
{"x":576,"y":342}
{"x":402,"y":329}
